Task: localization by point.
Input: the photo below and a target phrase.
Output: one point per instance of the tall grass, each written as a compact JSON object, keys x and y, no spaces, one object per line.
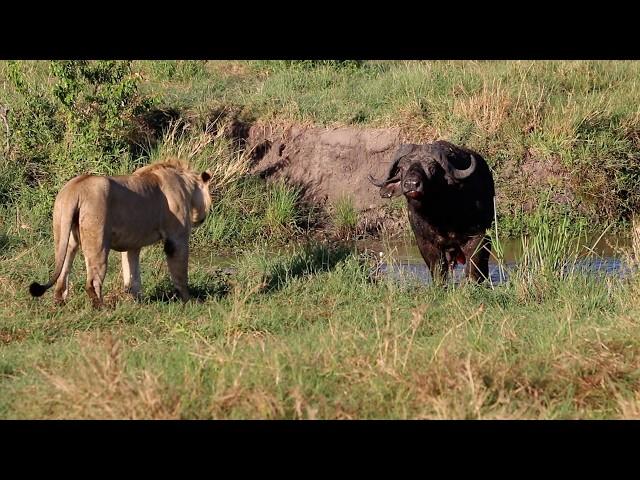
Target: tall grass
{"x":497,"y":247}
{"x":204,"y":151}
{"x":282,"y":213}
{"x":549,"y":249}
{"x":345,"y":216}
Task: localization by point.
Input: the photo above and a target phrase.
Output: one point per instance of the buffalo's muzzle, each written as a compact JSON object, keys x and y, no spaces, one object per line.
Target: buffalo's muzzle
{"x":413,"y":194}
{"x":412,"y":188}
{"x":411,"y":185}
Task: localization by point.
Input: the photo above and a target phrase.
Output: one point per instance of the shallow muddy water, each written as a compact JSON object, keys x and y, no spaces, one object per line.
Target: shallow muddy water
{"x":402,"y":260}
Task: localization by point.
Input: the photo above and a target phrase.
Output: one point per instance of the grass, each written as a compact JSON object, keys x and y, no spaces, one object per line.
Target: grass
{"x":309,"y":333}
{"x":281,"y":213}
{"x":345,"y":216}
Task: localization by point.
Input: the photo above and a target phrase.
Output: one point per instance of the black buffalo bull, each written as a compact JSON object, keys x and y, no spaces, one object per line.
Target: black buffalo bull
{"x":449,"y":192}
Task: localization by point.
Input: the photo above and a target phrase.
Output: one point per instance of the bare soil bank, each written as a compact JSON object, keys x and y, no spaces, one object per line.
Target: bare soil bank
{"x":327,"y":163}
{"x":330,"y":163}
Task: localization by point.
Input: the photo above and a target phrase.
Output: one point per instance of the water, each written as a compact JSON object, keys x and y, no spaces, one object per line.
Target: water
{"x":401,"y":259}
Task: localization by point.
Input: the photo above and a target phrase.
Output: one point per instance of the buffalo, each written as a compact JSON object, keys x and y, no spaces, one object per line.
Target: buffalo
{"x":450,"y":198}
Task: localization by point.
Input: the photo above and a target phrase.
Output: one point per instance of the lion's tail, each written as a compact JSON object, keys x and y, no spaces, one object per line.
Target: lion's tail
{"x":66,"y":223}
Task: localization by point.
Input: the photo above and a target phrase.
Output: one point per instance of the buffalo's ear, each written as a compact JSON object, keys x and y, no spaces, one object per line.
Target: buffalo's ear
{"x":391,"y":190}
{"x":206,"y":176}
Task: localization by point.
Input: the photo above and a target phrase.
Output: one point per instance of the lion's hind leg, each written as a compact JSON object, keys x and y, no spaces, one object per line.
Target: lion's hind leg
{"x":61,"y":290}
{"x":96,"y":254}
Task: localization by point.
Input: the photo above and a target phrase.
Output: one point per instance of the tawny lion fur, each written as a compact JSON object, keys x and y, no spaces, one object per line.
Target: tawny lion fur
{"x":162,"y":201}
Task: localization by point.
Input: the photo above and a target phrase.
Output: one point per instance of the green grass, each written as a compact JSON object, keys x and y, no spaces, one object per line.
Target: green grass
{"x":569,"y":128}
{"x":345,"y":216}
{"x":250,"y":212}
{"x":308,"y":333}
{"x":565,"y":127}
{"x":282,"y":212}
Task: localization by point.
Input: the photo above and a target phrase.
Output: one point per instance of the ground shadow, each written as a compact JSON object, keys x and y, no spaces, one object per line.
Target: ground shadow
{"x":204,"y":287}
{"x":235,"y":122}
{"x":9,"y":243}
{"x":313,"y":259}
{"x":149,"y":127}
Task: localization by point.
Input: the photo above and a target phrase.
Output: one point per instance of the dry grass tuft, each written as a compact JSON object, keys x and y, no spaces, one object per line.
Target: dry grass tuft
{"x":100,"y":388}
{"x":489,"y":108}
{"x":206,"y":149}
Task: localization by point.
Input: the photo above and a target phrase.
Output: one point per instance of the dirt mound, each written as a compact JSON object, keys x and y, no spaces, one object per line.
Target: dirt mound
{"x":328,"y":163}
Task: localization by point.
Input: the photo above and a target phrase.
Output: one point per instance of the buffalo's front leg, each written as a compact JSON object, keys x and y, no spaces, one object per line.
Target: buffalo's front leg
{"x":477,"y":251}
{"x":436,"y":261}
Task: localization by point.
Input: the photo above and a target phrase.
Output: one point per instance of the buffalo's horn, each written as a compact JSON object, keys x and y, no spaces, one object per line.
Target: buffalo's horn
{"x":383,"y":183}
{"x":459,"y":174}
{"x":402,"y":151}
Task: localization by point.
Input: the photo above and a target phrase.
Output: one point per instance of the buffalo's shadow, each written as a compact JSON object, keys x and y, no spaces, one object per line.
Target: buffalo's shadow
{"x":311,"y":260}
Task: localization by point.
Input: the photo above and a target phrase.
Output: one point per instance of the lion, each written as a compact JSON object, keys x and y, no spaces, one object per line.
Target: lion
{"x":161,"y":201}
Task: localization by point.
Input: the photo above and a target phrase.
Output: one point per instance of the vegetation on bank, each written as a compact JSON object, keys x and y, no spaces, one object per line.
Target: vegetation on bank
{"x":564,"y":129}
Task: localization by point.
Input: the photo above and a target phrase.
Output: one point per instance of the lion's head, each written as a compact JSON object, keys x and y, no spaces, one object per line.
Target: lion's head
{"x":201,"y":199}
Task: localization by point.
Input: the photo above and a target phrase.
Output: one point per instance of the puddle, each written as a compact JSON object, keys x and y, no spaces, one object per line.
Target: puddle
{"x":404,"y":262}
{"x":401,"y":259}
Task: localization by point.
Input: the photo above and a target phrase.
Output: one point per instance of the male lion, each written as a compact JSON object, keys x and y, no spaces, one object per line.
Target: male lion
{"x":161,"y":201}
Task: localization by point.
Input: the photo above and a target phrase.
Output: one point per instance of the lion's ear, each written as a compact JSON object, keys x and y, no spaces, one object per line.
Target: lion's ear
{"x":206,"y":176}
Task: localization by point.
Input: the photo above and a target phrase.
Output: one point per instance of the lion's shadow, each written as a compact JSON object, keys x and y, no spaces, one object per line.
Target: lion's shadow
{"x":201,"y":288}
{"x":309,"y":261}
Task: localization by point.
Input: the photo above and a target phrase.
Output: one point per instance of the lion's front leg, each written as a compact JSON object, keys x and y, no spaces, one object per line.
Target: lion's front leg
{"x":177,"y":252}
{"x":131,"y":272}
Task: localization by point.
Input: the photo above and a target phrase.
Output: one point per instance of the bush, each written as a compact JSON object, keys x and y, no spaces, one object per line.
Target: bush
{"x":79,"y":122}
